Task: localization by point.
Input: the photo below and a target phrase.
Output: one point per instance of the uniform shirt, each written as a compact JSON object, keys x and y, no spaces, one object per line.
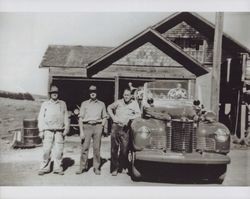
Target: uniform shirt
{"x":125,"y":112}
{"x":93,"y":110}
{"x":176,"y":93}
{"x":53,"y":115}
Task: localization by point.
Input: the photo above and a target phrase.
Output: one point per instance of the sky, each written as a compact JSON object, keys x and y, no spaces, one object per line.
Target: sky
{"x":25,"y":36}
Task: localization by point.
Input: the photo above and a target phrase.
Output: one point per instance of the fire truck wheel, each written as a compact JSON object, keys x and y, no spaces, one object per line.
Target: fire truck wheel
{"x":135,"y":173}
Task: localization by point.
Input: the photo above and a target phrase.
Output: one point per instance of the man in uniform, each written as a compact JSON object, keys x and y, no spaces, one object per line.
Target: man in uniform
{"x":53,"y":124}
{"x":92,"y":119}
{"x":177,"y":93}
{"x":122,"y":112}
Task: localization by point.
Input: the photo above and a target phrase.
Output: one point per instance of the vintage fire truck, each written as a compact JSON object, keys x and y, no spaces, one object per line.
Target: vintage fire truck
{"x":177,"y":137}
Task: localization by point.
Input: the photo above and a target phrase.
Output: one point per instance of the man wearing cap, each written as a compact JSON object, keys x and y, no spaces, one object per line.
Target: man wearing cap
{"x":122,"y":112}
{"x":92,"y":119}
{"x":177,"y":93}
{"x":53,"y":124}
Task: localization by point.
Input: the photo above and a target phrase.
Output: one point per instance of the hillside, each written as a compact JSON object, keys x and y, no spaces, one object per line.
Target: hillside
{"x":12,"y":113}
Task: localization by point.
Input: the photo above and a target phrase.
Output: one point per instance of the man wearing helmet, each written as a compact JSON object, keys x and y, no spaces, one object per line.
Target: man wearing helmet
{"x":53,"y":124}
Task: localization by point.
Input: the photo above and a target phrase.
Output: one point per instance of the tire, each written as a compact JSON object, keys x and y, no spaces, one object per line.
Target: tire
{"x":135,"y":173}
{"x":221,"y":178}
{"x":218,"y":174}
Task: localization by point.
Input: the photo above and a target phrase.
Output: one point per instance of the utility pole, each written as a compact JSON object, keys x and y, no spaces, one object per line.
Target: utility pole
{"x":216,"y":71}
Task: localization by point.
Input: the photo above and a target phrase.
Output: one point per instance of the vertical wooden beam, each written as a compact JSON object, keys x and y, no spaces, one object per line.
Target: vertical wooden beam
{"x":244,"y":66}
{"x":204,"y":49}
{"x":191,"y":88}
{"x":228,"y":68}
{"x":243,"y":106}
{"x":243,"y":120}
{"x":116,"y":87}
{"x":50,"y":80}
{"x":216,"y":71}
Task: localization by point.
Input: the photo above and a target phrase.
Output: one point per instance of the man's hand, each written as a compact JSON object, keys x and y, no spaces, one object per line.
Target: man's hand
{"x":105,"y":131}
{"x":82,"y":135}
{"x":65,"y":132}
{"x":41,"y":134}
{"x":116,"y":120}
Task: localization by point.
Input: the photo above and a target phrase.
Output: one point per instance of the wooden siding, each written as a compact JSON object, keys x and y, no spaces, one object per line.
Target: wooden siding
{"x":68,"y":72}
{"x":146,"y":72}
{"x":152,"y":36}
{"x":147,"y":55}
{"x":126,"y":71}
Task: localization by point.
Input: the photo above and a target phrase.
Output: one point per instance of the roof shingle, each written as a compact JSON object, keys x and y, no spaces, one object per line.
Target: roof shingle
{"x":71,"y":56}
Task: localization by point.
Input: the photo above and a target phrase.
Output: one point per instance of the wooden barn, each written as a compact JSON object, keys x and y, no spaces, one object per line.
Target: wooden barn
{"x":179,"y":47}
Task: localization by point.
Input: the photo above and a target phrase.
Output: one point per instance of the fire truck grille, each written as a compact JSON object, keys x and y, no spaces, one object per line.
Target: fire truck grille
{"x":205,"y":143}
{"x":158,"y":141}
{"x":183,"y":136}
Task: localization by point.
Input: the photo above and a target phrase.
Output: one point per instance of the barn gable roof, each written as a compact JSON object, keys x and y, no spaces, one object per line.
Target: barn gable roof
{"x":71,"y":56}
{"x":65,"y":56}
{"x":202,"y":25}
{"x":152,"y":36}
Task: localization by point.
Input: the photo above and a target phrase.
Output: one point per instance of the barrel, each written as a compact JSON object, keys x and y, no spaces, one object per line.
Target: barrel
{"x":31,"y":133}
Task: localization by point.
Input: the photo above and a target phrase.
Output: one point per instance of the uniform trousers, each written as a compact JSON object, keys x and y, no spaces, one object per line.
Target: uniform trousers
{"x":119,"y":147}
{"x":50,"y":138}
{"x":91,"y":131}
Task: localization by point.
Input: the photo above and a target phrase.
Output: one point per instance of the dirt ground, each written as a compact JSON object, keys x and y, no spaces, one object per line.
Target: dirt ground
{"x":18,"y":167}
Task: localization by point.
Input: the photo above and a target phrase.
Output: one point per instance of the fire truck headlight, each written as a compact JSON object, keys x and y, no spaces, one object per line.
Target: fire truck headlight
{"x":221,"y":135}
{"x":144,"y":132}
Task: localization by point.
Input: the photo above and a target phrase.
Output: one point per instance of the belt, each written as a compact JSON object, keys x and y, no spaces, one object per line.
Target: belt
{"x":54,"y":130}
{"x":91,"y":123}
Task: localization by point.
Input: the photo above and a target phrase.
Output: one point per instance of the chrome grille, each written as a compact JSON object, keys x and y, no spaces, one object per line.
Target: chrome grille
{"x":205,"y":143}
{"x":160,"y":140}
{"x":183,"y":136}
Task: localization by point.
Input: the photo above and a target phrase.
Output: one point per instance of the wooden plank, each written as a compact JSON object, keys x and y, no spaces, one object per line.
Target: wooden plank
{"x":82,"y":79}
{"x":146,"y":72}
{"x":143,"y":75}
{"x":68,"y":72}
{"x":126,"y":71}
{"x":50,"y":80}
{"x":116,"y":87}
{"x":191,"y":88}
{"x":216,"y":71}
{"x":243,"y":121}
{"x":244,"y":66}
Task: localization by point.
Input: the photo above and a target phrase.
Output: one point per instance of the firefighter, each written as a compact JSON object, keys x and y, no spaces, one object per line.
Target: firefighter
{"x":53,"y":124}
{"x":92,"y":119}
{"x":122,"y":112}
{"x":177,"y":93}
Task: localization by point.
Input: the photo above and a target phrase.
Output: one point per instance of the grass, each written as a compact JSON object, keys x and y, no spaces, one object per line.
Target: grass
{"x":12,"y":113}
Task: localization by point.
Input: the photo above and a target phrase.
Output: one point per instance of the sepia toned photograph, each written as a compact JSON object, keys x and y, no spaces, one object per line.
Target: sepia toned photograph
{"x":125,"y":99}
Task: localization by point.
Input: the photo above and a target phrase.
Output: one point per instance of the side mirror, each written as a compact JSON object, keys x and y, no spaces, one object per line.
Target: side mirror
{"x":150,"y":101}
{"x":196,"y":102}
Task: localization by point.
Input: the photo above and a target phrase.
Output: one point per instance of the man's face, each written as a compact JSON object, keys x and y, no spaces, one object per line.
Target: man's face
{"x":93,"y":95}
{"x":54,"y":96}
{"x":179,"y":86}
{"x":127,"y":96}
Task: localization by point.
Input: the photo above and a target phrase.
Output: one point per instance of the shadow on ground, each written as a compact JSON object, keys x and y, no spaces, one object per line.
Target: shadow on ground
{"x":90,"y":163}
{"x":67,"y":162}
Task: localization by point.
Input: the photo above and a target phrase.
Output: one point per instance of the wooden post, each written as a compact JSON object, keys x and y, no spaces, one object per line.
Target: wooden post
{"x":50,"y":80}
{"x":228,"y":68}
{"x":191,"y":88}
{"x":216,"y":71}
{"x":244,"y":66}
{"x":116,"y":87}
{"x":243,"y":106}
